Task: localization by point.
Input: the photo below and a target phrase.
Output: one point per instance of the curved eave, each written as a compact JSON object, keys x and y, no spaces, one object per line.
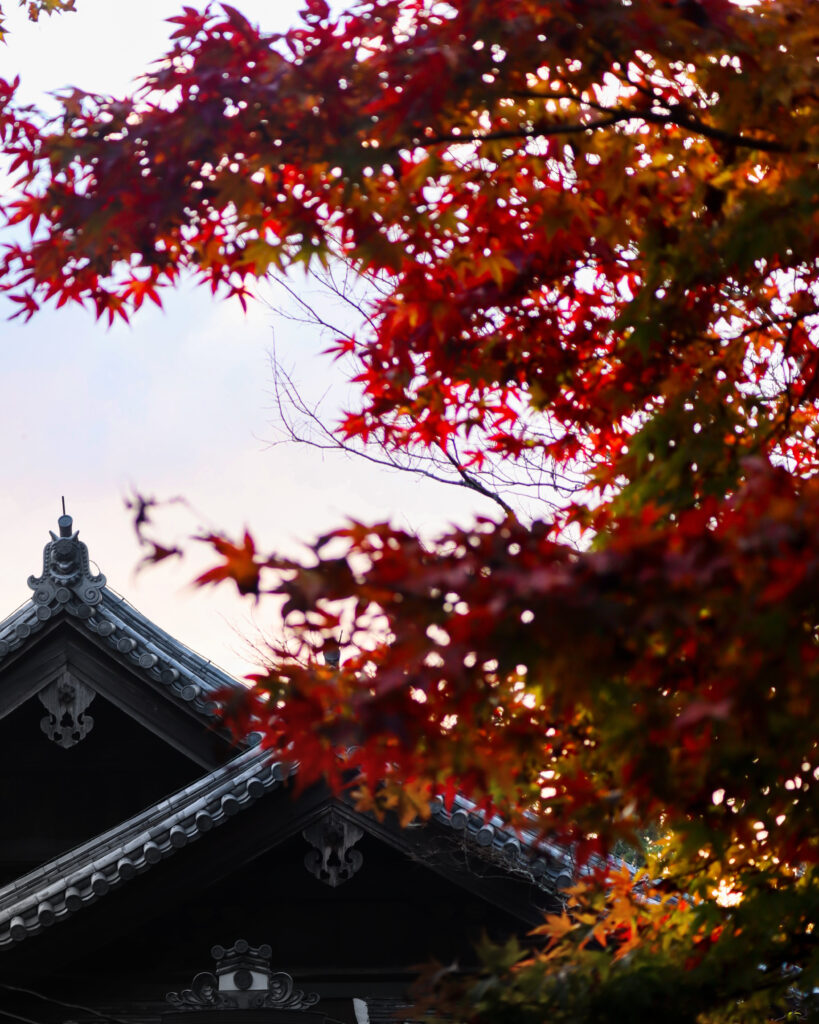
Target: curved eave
{"x":61,"y":888}
{"x":56,"y":891}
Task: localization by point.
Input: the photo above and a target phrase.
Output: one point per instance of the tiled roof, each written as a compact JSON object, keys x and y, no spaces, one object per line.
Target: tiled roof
{"x":549,"y":864}
{"x":55,"y":891}
{"x":67,"y":587}
{"x":60,"y":888}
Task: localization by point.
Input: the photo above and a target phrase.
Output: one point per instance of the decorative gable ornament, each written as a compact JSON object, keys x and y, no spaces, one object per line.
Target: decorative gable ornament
{"x":243,"y":981}
{"x":333,"y":859}
{"x":68,"y":587}
{"x":66,"y":700}
{"x":67,"y":578}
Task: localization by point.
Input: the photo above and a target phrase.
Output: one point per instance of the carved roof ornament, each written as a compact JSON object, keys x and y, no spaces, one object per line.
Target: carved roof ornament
{"x":67,"y":578}
{"x":333,"y":859}
{"x":66,"y":700}
{"x":244,"y":981}
{"x":67,"y":586}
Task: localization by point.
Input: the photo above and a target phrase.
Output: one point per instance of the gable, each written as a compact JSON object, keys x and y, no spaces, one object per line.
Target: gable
{"x":53,"y":798}
{"x":89,"y":934}
{"x":67,"y":590}
{"x":102,"y":713}
{"x":65,"y":667}
{"x":363,"y":939}
{"x":224,"y":822}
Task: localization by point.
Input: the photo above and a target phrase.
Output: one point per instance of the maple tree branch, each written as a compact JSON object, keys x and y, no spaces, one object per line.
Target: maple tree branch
{"x":342,"y":292}
{"x":522,"y":133}
{"x":288,"y":399}
{"x":311,"y":314}
{"x":300,"y":421}
{"x":670,"y":112}
{"x":19,"y":1017}
{"x":786,"y":349}
{"x":106,"y":1017}
{"x":475,"y":485}
{"x":328,"y":282}
{"x":662,"y":119}
{"x":699,"y":127}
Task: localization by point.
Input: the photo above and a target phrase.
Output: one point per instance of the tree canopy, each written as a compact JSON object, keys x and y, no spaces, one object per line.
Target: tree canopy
{"x":594,"y":227}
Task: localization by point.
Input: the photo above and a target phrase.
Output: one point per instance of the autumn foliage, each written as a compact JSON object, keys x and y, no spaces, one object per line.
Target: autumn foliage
{"x":595,"y":228}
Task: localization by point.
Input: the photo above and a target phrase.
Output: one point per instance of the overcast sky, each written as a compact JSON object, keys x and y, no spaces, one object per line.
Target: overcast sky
{"x":179,"y":403}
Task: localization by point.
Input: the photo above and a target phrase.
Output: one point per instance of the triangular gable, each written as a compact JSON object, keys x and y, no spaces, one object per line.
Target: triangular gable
{"x":134,"y":935}
{"x":102,"y":713}
{"x":76,"y":638}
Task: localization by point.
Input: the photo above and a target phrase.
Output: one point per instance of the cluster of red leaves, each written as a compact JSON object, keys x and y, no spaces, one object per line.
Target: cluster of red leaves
{"x":240,"y":564}
{"x":584,"y":228}
{"x":594,"y":228}
{"x":544,"y":185}
{"x":680,"y":660}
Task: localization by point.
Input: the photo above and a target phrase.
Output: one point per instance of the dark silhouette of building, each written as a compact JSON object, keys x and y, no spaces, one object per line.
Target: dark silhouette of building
{"x":151,"y":869}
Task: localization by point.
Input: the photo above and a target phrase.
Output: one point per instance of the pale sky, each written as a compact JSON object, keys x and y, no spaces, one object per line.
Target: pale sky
{"x":178,"y":403}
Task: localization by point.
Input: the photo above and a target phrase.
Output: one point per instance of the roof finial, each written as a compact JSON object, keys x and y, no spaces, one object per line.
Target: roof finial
{"x":66,"y":578}
{"x":65,"y":522}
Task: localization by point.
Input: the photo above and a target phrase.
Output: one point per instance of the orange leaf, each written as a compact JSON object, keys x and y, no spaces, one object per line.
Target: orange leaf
{"x":240,"y":564}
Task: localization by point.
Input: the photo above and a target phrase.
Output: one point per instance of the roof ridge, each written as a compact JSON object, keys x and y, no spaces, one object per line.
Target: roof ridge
{"x":75,"y":879}
{"x":157,"y":645}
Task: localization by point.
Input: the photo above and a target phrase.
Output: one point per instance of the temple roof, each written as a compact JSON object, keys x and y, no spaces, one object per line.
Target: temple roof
{"x":79,"y":878}
{"x":68,"y":589}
